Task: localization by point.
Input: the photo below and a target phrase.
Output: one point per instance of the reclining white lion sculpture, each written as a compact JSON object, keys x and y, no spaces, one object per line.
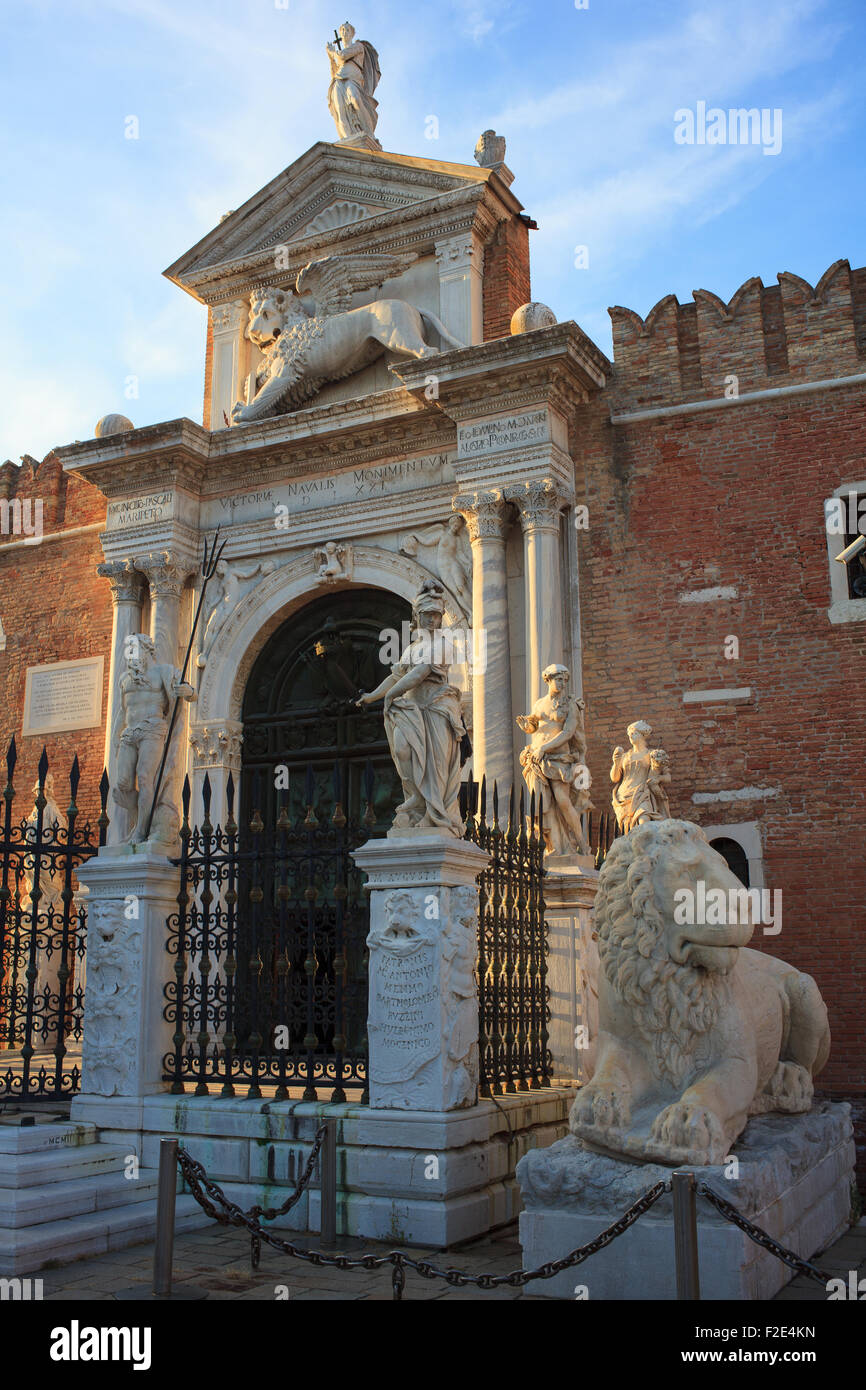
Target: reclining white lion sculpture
{"x":696,"y":1032}
{"x":305,"y":347}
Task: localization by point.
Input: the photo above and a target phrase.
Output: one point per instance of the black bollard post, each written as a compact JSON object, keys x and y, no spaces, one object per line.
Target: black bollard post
{"x":686,"y":1235}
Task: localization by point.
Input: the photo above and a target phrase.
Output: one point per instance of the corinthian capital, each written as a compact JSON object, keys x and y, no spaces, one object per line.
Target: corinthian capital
{"x":165,"y":574}
{"x":539,"y":504}
{"x":124,"y":580}
{"x":485,"y":513}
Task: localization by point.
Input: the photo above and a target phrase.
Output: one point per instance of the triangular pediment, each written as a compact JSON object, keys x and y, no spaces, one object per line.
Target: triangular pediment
{"x":334,"y":198}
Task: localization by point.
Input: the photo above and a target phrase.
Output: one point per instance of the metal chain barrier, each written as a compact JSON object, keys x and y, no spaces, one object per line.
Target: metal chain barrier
{"x":210,"y":1197}
{"x":270,"y":1213}
{"x":760,"y":1237}
{"x":214,"y":1202}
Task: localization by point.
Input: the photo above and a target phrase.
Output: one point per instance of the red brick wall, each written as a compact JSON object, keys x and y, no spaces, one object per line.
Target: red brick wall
{"x":506,"y":277}
{"x":735,"y":497}
{"x":54,"y":607}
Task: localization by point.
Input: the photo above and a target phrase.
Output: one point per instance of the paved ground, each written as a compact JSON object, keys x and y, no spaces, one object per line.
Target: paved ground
{"x":218,"y":1260}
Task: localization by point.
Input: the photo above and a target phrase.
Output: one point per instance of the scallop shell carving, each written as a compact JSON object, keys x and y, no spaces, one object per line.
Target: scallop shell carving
{"x":338,"y":215}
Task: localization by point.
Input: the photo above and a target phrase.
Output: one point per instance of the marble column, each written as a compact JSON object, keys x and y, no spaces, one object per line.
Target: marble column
{"x":166,"y":578}
{"x":488,"y":518}
{"x":126,"y":595}
{"x":539,"y":505}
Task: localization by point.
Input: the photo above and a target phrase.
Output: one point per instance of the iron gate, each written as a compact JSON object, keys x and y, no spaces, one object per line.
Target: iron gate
{"x":43,"y":937}
{"x":269,"y":947}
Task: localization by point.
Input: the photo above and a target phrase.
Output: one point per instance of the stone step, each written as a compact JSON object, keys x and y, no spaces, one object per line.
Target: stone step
{"x":59,"y":1164}
{"x":55,"y":1201}
{"x":55,"y":1243}
{"x":19,"y":1139}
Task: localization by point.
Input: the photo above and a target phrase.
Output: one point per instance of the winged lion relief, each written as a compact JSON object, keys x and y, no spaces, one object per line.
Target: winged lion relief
{"x":303,"y":350}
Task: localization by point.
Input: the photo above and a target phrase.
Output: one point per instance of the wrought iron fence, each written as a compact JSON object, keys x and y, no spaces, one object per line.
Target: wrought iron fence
{"x":513,"y":1009}
{"x":269,"y":947}
{"x":43,"y":936}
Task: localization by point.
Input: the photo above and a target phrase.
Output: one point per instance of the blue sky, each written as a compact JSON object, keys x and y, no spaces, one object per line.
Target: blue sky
{"x":228,"y":92}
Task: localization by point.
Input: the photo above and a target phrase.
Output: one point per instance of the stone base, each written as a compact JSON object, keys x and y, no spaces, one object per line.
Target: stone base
{"x":794,"y":1182}
{"x":63,"y":1196}
{"x":408,"y":1177}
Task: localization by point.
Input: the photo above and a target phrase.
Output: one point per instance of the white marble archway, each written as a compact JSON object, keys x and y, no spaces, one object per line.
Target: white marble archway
{"x":216,"y":729}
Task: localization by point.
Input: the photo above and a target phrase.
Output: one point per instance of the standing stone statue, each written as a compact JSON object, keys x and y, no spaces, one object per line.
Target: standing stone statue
{"x":453,"y":556}
{"x":639,"y":777}
{"x":355,"y":76}
{"x":147,"y":691}
{"x":553,"y":762}
{"x":424,"y":723}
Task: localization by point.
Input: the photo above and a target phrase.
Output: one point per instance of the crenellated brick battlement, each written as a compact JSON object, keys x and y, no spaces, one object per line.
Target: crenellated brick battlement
{"x":67,"y":501}
{"x":766,"y":336}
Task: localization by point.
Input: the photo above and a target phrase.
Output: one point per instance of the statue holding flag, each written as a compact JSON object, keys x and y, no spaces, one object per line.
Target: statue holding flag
{"x":354,"y":78}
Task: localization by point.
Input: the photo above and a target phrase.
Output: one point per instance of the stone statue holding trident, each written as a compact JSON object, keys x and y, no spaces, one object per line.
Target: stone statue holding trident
{"x":354,"y":78}
{"x":150,"y":696}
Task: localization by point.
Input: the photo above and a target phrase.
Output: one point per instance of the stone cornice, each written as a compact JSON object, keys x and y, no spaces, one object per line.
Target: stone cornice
{"x":560,"y":365}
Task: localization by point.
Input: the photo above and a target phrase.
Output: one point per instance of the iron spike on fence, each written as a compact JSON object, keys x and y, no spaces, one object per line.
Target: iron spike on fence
{"x":103,"y":806}
{"x":310,"y":819}
{"x":210,"y":560}
{"x":369,"y":817}
{"x":231,"y":824}
{"x":339,"y":816}
{"x":11,"y":758}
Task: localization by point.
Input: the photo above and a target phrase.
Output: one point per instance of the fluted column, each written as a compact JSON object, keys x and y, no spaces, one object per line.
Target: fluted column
{"x":166,"y":577}
{"x":488,"y":517}
{"x":539,"y":505}
{"x":127,"y":588}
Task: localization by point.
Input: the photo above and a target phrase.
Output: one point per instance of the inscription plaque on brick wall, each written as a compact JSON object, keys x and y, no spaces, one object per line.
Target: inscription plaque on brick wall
{"x":63,"y":695}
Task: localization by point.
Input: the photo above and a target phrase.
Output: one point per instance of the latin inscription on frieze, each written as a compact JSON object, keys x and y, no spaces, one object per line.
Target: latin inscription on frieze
{"x":505,"y":432}
{"x":322,"y":493}
{"x":139,"y":511}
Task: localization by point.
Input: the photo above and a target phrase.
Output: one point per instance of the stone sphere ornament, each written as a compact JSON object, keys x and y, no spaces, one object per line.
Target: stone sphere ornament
{"x":112,"y":424}
{"x":532,"y":316}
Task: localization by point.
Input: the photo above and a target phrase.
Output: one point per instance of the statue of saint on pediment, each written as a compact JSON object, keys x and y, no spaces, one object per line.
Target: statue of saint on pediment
{"x":355,"y":76}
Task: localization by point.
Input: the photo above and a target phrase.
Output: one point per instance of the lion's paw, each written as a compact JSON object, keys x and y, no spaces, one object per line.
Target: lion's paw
{"x":790,"y":1088}
{"x":600,"y":1107}
{"x":688,"y":1127}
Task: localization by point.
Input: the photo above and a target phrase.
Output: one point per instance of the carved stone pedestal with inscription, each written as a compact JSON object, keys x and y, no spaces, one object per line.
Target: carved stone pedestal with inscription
{"x":128,"y":898}
{"x":423,"y":1008}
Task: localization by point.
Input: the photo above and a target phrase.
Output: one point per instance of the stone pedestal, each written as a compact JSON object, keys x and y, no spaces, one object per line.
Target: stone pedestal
{"x":128,"y":898}
{"x":792,"y":1179}
{"x":570,"y":886}
{"x":423,"y":1005}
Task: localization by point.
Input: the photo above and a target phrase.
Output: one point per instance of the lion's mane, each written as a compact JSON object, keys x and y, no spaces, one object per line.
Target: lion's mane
{"x":673,"y":1004}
